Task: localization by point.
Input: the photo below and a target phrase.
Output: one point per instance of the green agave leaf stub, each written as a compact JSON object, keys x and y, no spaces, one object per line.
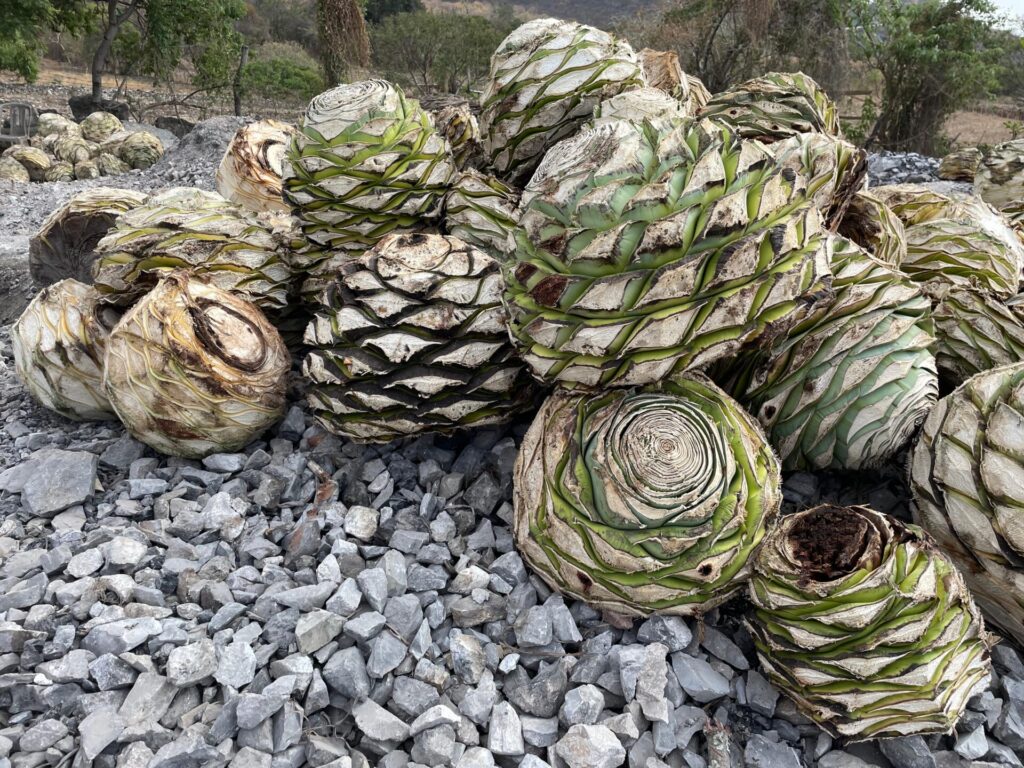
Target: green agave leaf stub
{"x":866,"y":625}
{"x":645,"y":500}
{"x":967,"y":476}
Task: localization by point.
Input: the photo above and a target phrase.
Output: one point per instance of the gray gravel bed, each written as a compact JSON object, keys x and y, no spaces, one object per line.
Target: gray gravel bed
{"x":312,"y":602}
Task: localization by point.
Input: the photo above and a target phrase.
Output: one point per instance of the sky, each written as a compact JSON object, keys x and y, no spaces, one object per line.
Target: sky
{"x":1011,"y":7}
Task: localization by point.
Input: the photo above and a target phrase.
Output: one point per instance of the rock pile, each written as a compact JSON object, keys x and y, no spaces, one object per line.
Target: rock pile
{"x":313,"y":602}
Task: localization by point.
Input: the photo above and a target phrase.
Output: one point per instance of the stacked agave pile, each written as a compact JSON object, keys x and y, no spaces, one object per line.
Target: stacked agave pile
{"x":62,"y":150}
{"x":700,"y":284}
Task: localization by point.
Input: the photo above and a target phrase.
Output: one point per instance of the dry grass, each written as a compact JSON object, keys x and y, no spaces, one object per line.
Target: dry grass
{"x":56,"y":73}
{"x":968,"y":129}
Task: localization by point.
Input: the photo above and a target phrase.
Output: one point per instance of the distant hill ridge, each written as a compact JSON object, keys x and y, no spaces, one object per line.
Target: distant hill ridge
{"x":600,"y":13}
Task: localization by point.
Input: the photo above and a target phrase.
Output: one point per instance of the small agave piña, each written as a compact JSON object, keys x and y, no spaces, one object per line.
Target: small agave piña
{"x":866,"y":625}
{"x":59,"y":344}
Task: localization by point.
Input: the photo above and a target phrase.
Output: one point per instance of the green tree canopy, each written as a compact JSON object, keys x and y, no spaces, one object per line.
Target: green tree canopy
{"x":26,"y":22}
{"x":378,"y":10}
{"x":933,"y":56}
{"x":150,"y":36}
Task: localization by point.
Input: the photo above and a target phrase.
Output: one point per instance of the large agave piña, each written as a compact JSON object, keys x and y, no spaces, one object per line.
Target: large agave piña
{"x":639,"y":252}
{"x":110,"y":165}
{"x":967,"y":477}
{"x":955,"y":241}
{"x":184,"y":228}
{"x":73,"y":148}
{"x":974,"y":332}
{"x":413,"y":340}
{"x":1000,"y":175}
{"x":873,"y":226}
{"x":58,"y":345}
{"x":140,"y":150}
{"x":638,"y":105}
{"x":87,"y":169}
{"x":851,"y":382}
{"x":61,"y":171}
{"x":366,"y":162}
{"x":546,"y":78}
{"x":866,"y":625}
{"x":193,"y":370}
{"x":65,"y":245}
{"x":775,"y":106}
{"x":34,"y":161}
{"x":644,"y":500}
{"x":99,"y":126}
{"x":249,"y":174}
{"x":480,"y":210}
{"x":49,"y":123}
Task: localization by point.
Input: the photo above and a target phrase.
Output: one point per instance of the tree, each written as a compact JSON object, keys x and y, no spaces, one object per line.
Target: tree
{"x":25,"y":22}
{"x":153,"y":35}
{"x":343,"y":39}
{"x":435,"y":51}
{"x":933,"y":56}
{"x":378,"y":10}
{"x":724,"y":42}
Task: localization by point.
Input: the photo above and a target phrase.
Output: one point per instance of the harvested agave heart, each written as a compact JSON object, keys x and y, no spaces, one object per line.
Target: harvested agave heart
{"x":59,"y":344}
{"x":866,"y":625}
{"x":193,"y":370}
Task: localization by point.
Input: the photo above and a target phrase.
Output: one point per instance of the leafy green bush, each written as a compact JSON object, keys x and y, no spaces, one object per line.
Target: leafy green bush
{"x":282,"y":71}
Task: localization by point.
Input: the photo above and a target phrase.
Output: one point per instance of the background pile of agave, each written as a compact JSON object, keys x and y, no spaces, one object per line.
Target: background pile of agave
{"x":63,"y":150}
{"x":693,"y":293}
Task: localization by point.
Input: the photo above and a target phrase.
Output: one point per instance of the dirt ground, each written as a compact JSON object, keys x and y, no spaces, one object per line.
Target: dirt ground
{"x":986,"y":123}
{"x":57,"y":82}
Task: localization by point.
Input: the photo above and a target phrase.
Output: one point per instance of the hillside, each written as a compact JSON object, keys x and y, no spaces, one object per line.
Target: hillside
{"x":601,"y":13}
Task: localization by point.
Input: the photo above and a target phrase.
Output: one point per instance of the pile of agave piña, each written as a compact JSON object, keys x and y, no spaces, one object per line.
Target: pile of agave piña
{"x":701,"y":289}
{"x":63,"y":150}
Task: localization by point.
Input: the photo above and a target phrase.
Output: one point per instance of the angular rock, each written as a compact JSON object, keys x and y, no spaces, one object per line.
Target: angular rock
{"x":505,"y":731}
{"x":590,"y":746}
{"x":189,"y":664}
{"x":377,"y":723}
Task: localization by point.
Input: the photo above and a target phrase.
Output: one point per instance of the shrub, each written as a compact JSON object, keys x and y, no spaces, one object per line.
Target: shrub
{"x":282,"y":71}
